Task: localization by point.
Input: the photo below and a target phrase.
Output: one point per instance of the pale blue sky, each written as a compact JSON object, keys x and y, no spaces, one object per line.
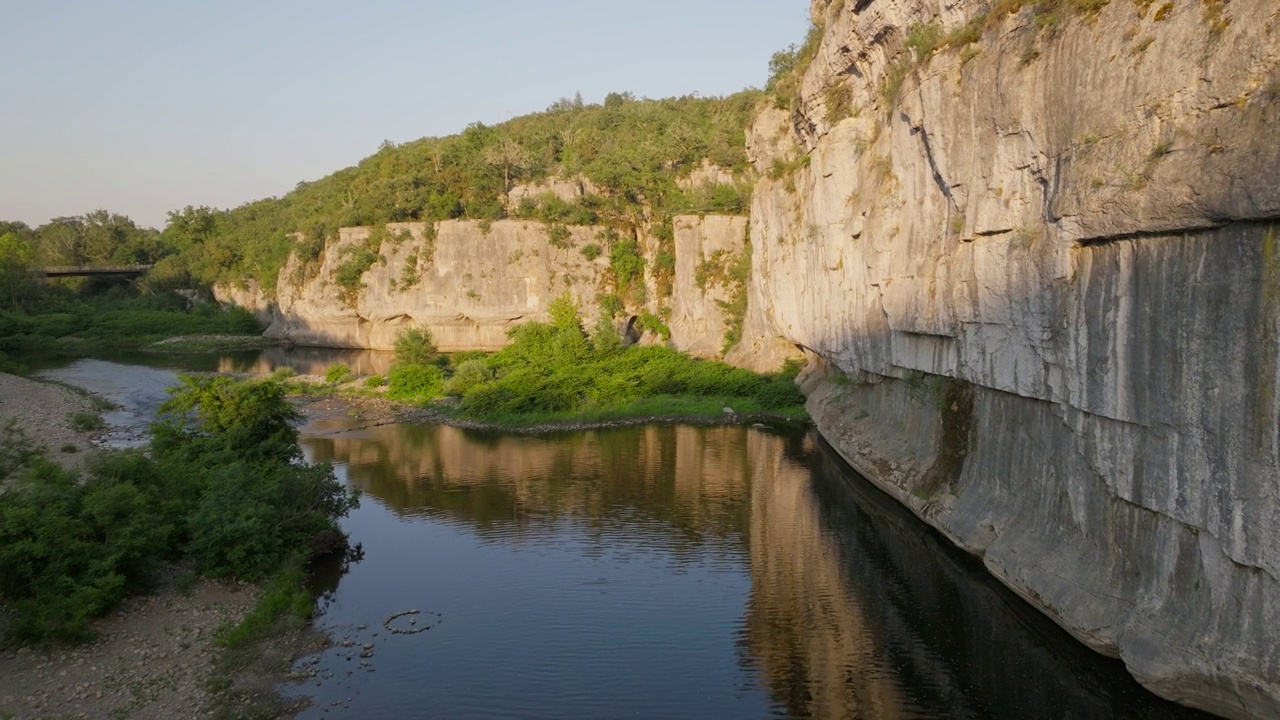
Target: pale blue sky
{"x":144,"y":106}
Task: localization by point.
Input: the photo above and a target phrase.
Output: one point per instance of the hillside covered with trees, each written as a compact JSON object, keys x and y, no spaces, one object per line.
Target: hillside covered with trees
{"x":632,"y":151}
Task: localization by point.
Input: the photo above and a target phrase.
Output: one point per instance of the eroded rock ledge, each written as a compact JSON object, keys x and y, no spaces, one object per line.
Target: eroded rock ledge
{"x":1039,"y":286}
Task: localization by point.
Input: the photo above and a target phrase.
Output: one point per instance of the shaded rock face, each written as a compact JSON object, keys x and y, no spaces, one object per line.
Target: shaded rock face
{"x":469,"y":284}
{"x":704,"y":247}
{"x":1040,"y":290}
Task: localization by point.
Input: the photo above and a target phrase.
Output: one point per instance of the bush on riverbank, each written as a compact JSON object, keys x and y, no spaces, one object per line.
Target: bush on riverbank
{"x":227,"y":492}
{"x":553,"y":369}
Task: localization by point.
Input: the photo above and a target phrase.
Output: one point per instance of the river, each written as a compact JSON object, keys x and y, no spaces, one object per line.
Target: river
{"x":653,"y":572}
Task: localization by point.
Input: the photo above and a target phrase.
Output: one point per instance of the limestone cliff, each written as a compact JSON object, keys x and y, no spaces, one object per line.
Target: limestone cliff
{"x":468,"y":283}
{"x":1032,"y":256}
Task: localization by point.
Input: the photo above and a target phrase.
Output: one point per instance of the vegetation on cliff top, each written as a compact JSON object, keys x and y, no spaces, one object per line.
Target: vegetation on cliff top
{"x":632,"y":151}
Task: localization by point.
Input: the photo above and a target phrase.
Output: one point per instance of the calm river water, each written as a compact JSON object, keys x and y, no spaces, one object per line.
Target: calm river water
{"x":657,"y":572}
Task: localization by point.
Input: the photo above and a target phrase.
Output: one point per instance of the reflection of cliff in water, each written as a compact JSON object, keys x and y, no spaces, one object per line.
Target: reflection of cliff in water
{"x":681,"y":480}
{"x":860,"y":610}
{"x":306,"y":360}
{"x":806,"y":628}
{"x":856,"y":608}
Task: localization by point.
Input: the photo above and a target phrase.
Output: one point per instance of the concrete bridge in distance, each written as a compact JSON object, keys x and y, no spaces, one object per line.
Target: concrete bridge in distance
{"x":92,"y":270}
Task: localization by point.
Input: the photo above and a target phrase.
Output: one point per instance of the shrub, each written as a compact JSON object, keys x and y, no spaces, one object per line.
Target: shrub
{"x":338,"y":373}
{"x":468,"y":375}
{"x":374,"y":381}
{"x":227,"y":492}
{"x":255,"y":418}
{"x":779,"y":393}
{"x":347,"y":276}
{"x":415,"y":382}
{"x":415,"y":346}
{"x":86,"y":421}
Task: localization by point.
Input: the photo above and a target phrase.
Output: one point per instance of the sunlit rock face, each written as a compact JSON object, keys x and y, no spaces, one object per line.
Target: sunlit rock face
{"x":470,"y":282}
{"x":1039,"y":287}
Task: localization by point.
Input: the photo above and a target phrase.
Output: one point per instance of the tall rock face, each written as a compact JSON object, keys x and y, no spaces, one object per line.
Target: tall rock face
{"x":470,"y":282}
{"x":1033,"y":259}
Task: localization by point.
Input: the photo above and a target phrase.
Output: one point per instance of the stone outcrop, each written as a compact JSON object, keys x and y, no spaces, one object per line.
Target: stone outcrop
{"x":1037,"y":279}
{"x":566,"y":189}
{"x":705,"y":249}
{"x":469,"y":283}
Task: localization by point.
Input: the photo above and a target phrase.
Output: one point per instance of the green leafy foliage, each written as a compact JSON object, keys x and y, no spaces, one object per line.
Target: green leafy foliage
{"x":17,"y":270}
{"x":357,"y":261}
{"x":415,"y":346}
{"x":469,"y":374}
{"x":254,"y":417}
{"x":86,"y":421}
{"x":787,"y":68}
{"x":222,"y":485}
{"x":116,"y":318}
{"x":338,"y":373}
{"x":554,"y":369}
{"x":417,"y":383}
{"x":632,"y":150}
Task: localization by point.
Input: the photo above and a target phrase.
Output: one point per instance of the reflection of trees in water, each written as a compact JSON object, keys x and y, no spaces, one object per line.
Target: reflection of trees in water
{"x":685,"y":482}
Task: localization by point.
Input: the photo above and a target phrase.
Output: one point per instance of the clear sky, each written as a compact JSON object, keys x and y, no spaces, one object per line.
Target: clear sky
{"x":145,"y":106}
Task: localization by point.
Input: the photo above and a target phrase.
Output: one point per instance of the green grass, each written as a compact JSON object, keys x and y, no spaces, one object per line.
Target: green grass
{"x":70,"y":324}
{"x":658,"y":407}
{"x":86,"y":421}
{"x":286,"y":604}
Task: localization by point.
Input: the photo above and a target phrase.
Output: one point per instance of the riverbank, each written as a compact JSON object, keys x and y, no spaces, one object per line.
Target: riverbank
{"x":63,"y":421}
{"x":323,"y":405}
{"x":153,"y":658}
{"x":160,"y":654}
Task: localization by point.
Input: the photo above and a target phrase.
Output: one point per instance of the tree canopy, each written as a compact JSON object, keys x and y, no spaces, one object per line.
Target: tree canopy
{"x":632,"y":150}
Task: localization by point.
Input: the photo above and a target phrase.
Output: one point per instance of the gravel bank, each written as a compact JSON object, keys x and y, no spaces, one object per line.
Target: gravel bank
{"x":152,"y":659}
{"x":43,"y":412}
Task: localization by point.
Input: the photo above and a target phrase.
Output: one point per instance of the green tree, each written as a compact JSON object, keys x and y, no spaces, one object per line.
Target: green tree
{"x":17,"y":277}
{"x":253,"y":417}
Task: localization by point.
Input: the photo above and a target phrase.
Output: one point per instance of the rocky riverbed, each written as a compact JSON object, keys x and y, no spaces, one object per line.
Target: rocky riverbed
{"x":154,"y":656}
{"x":46,"y":413}
{"x":152,"y":659}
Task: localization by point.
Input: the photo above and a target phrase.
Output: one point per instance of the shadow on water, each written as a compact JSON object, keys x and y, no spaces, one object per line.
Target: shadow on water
{"x":677,"y":572}
{"x":959,"y":644}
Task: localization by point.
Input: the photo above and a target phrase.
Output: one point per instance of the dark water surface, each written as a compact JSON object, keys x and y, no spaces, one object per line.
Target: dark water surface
{"x":671,"y":572}
{"x":650,"y":572}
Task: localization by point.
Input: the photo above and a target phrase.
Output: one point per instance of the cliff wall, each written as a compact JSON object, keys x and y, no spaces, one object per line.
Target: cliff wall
{"x":1035,"y":271}
{"x":468,"y":283}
